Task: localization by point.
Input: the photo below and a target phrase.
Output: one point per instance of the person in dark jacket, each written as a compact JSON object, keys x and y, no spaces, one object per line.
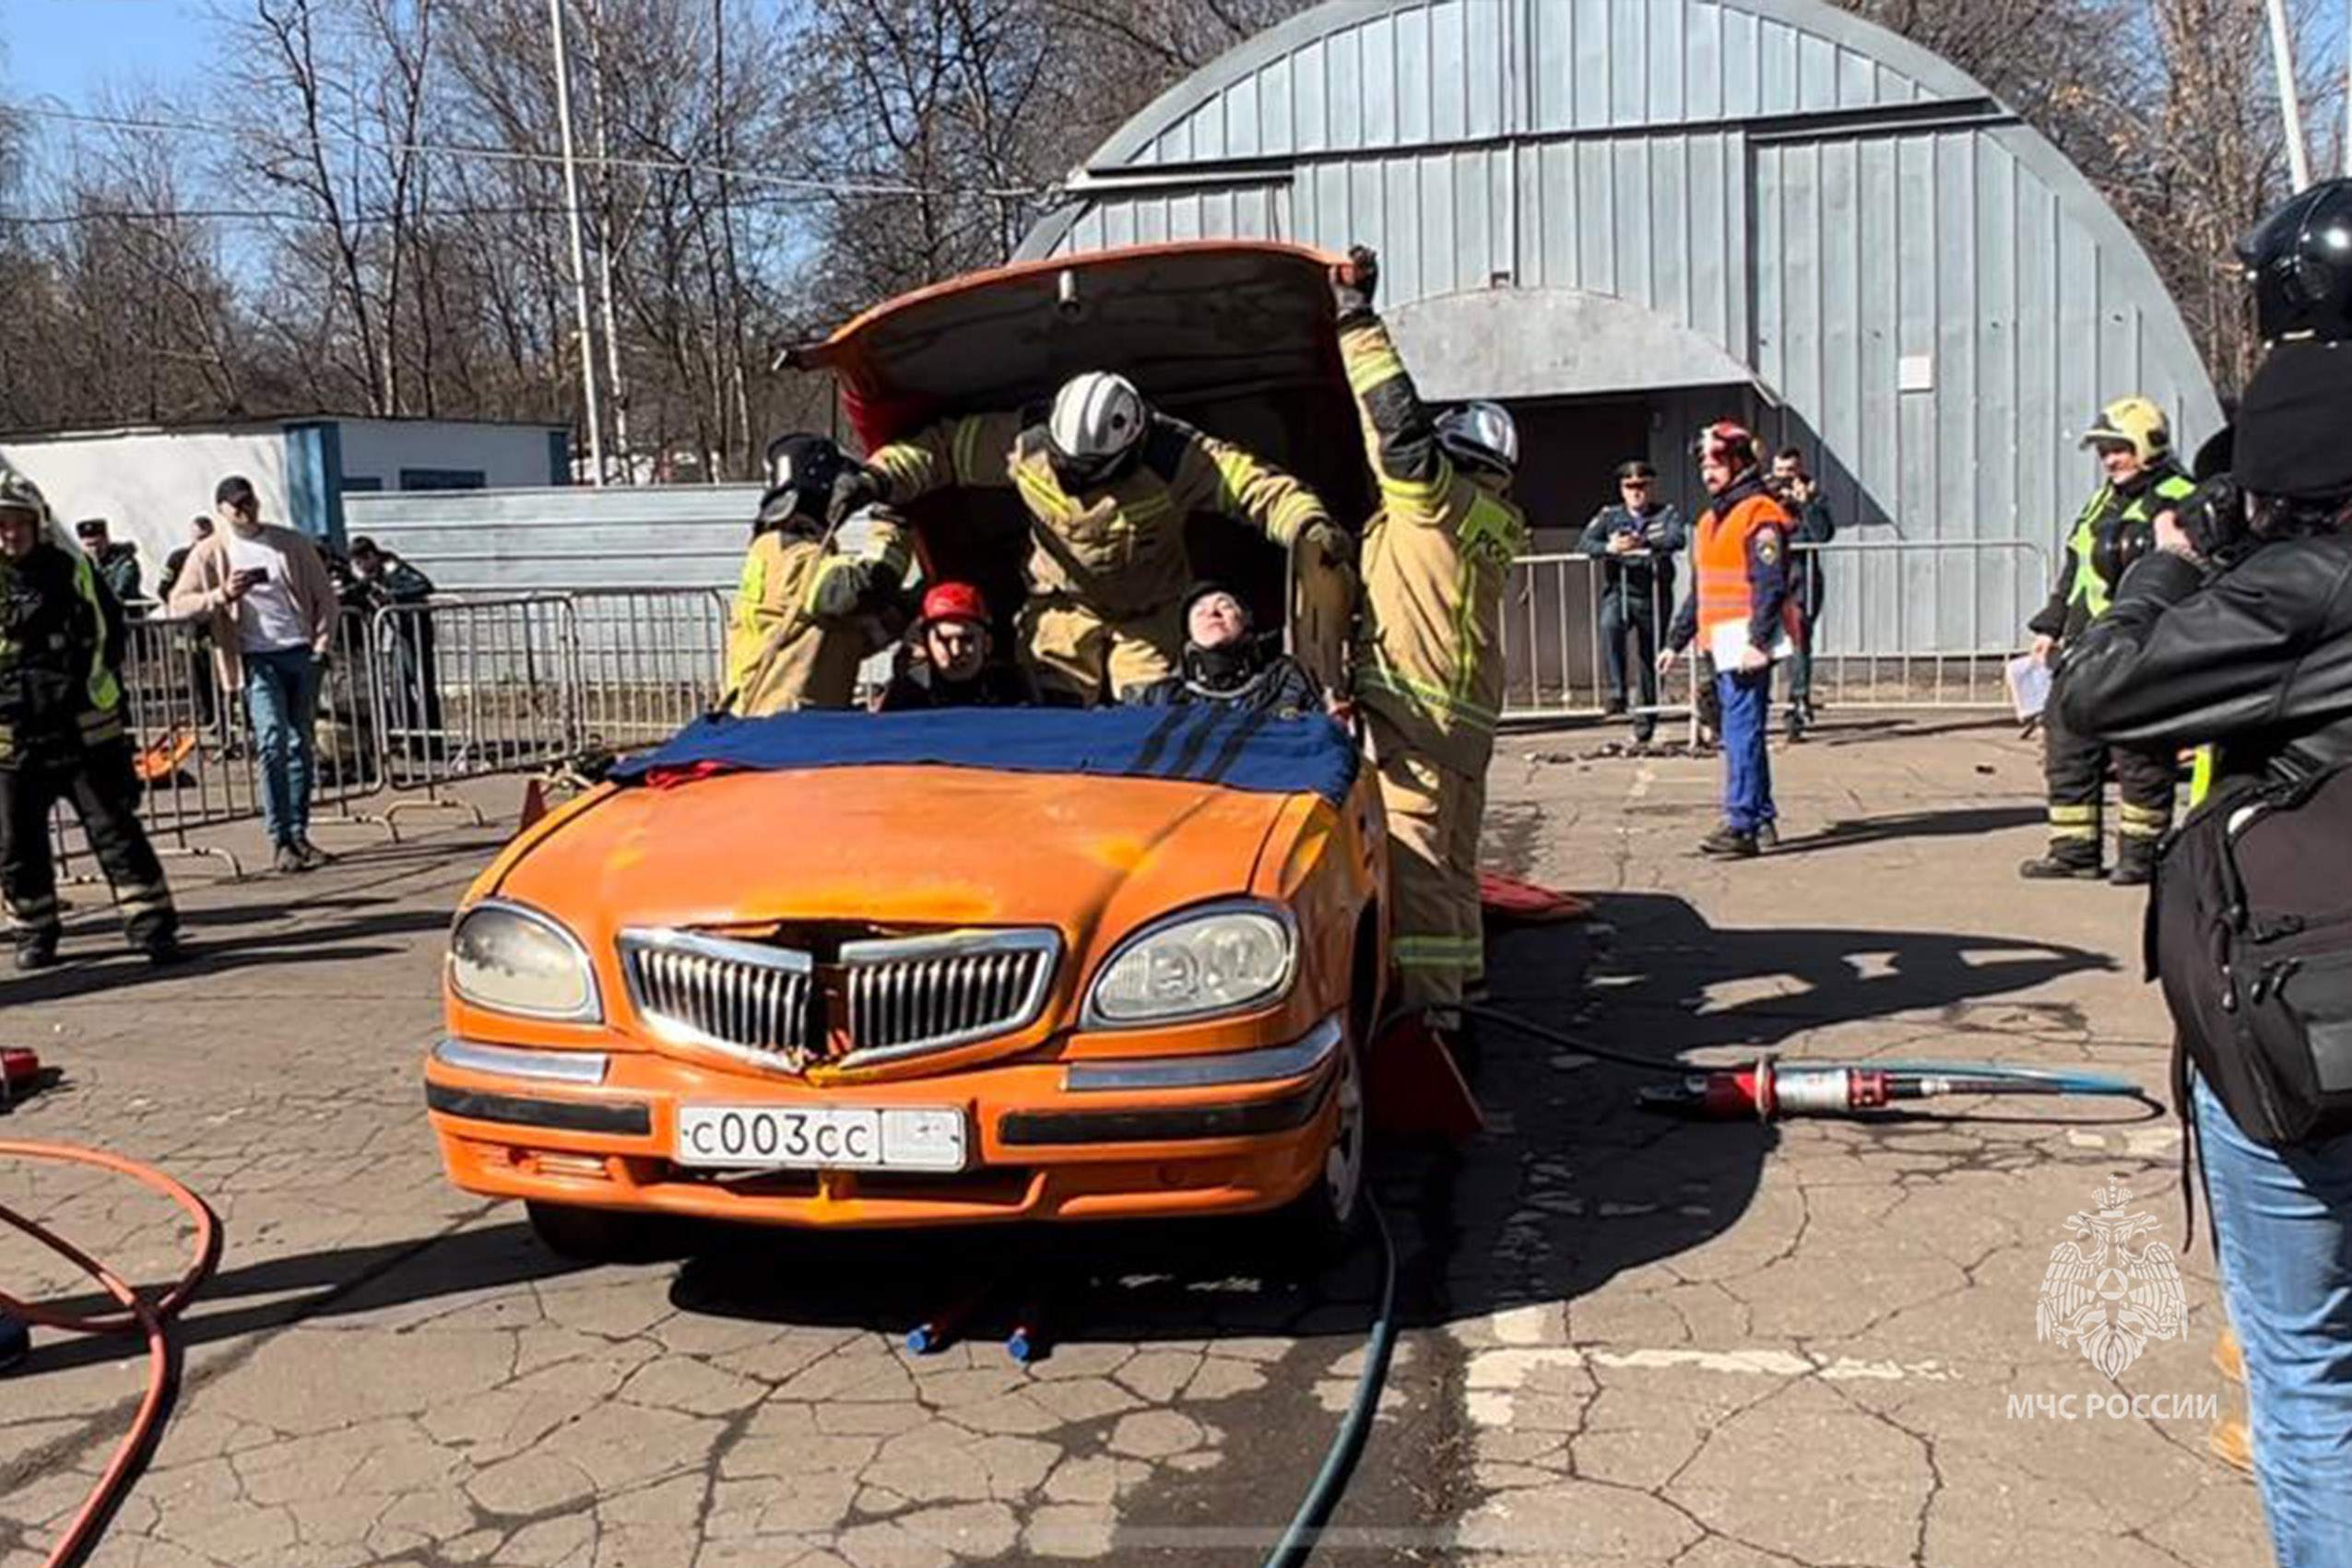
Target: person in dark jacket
{"x":1801,"y":499}
{"x":954,"y":670}
{"x":1635,"y":542}
{"x":2135,"y":444}
{"x":1226,"y":662}
{"x":2250,"y":654}
{"x":117,"y":562}
{"x":63,"y":736}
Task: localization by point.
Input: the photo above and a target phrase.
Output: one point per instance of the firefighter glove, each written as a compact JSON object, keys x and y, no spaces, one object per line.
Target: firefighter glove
{"x":857,"y":487}
{"x":1332,"y":544}
{"x":1353,"y":285}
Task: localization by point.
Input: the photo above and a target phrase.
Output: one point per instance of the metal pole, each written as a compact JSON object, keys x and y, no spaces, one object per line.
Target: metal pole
{"x":2290,"y":103}
{"x":579,"y":255}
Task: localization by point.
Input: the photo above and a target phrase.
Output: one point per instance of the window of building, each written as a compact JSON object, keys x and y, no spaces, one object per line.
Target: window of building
{"x":443,"y":479}
{"x":368,"y":483}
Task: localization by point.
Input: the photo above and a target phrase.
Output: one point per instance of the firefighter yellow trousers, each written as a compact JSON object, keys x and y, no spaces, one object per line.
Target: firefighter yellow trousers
{"x":1434,"y":817}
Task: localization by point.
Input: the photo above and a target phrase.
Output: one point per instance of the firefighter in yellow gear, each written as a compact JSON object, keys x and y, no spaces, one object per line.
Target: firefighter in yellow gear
{"x":1107,"y":482}
{"x":1429,"y":667}
{"x":808,"y":612}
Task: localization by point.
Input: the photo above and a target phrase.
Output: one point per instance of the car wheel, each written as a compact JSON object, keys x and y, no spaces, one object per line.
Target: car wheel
{"x":593,"y":1235}
{"x":1325,"y":1219}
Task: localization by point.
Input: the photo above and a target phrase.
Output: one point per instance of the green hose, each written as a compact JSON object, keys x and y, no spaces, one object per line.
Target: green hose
{"x":1347,"y":1443}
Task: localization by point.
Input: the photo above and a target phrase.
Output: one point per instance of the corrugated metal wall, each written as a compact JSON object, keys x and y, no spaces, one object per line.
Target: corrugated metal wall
{"x":573,"y":539}
{"x":1926,"y":295}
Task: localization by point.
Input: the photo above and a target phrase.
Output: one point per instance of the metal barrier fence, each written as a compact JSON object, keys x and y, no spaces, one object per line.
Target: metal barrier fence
{"x":1884,"y":633}
{"x":417,"y":697}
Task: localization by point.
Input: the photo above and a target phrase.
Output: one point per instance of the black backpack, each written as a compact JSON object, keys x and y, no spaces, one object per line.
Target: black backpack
{"x":2250,"y":933}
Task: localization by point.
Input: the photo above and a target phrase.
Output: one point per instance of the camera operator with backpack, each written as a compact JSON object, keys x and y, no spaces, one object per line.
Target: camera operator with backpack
{"x":2236,"y":633}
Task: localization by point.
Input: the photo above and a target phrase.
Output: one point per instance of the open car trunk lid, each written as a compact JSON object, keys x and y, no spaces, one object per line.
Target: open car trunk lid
{"x":1238,"y":339}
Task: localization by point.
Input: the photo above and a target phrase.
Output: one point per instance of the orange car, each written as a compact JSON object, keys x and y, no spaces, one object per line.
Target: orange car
{"x":833,"y":969}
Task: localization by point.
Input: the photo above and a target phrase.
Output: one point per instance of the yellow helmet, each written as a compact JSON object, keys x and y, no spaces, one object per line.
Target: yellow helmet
{"x":2135,"y":421}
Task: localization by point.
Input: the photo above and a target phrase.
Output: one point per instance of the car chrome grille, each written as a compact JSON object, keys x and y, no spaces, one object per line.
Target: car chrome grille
{"x":741,"y":997}
{"x":929,"y":993}
{"x":885,"y":1000}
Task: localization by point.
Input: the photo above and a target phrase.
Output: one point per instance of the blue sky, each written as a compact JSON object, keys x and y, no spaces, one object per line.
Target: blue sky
{"x":73,"y":49}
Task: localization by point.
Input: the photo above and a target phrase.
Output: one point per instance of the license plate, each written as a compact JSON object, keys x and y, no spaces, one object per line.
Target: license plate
{"x":739,"y":1138}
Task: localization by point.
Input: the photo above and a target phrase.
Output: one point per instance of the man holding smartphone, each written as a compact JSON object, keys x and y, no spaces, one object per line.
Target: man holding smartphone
{"x":272,"y":606}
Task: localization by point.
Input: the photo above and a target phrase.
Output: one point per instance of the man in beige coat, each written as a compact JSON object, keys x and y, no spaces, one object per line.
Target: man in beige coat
{"x":271,"y":605}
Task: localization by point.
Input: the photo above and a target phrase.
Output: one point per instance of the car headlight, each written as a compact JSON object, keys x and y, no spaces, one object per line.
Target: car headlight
{"x":1209,"y":961}
{"x":514,"y":959}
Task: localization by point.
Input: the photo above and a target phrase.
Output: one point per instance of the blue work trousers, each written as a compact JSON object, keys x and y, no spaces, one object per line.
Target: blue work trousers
{"x":1746,"y":699}
{"x":2284,"y":1216}
{"x":281,"y":697}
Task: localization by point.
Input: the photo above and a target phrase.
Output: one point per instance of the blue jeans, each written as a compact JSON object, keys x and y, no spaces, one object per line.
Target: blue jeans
{"x":2285,"y":1221}
{"x":1746,"y":699}
{"x":281,"y":697}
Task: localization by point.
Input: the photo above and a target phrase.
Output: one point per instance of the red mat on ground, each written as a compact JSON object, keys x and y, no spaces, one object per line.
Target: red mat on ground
{"x":1510,"y":901}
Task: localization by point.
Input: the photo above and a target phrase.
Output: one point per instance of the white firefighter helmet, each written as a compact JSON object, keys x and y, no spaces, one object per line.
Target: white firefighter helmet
{"x":1098,"y":416}
{"x":1480,"y":433}
{"x":18,"y":493}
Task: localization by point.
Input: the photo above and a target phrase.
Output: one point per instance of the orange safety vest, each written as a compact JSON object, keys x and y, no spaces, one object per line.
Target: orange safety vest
{"x":1719,"y":560}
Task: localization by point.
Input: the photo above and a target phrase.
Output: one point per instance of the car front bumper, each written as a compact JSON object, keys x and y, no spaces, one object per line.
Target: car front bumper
{"x":1133,"y":1137}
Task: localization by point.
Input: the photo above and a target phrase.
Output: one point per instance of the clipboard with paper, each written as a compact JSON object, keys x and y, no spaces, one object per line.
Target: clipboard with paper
{"x":1727,"y":642}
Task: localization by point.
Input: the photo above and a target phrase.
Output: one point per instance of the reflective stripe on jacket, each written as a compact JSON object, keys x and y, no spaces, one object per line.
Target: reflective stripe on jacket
{"x":783,"y":653}
{"x":1436,"y":558}
{"x":1118,"y":547}
{"x":2084,"y":592}
{"x":57,"y":681}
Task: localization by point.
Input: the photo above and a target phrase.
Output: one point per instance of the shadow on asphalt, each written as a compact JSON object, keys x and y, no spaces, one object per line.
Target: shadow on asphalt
{"x":95,"y":959}
{"x":1914,"y":825}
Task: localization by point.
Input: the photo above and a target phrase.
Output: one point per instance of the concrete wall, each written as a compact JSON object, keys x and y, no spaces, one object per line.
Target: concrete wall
{"x":148,"y":484}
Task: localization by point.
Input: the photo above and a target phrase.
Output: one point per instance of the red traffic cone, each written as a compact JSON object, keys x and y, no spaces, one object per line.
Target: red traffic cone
{"x":19,"y":1071}
{"x":534,"y":804}
{"x":1416,"y":1089}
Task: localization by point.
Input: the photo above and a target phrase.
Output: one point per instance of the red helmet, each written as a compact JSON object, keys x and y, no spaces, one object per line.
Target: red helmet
{"x":955,"y":601}
{"x":1733,"y":443}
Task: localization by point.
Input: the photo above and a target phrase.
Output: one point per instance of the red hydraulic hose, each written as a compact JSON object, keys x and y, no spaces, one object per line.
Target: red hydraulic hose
{"x":138,"y":1315}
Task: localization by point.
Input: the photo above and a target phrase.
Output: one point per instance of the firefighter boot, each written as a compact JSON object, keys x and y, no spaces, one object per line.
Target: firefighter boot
{"x":37,"y":948}
{"x":2066,"y":859}
{"x":2134,"y":863}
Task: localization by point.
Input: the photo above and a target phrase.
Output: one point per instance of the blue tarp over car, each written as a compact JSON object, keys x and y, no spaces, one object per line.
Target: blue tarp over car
{"x":1209,"y":745}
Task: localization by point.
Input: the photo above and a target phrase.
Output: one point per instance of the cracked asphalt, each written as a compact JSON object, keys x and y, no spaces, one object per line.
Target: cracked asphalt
{"x":1626,"y":1339}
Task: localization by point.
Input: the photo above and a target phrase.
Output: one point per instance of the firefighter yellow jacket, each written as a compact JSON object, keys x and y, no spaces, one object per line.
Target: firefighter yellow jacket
{"x":787,"y":647}
{"x":1435,"y":557}
{"x":1117,"y":548}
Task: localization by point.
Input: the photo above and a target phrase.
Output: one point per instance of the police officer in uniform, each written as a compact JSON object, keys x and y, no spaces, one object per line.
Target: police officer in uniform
{"x":1107,"y":482}
{"x":63,"y":736}
{"x":1429,"y":672}
{"x":2134,"y":446}
{"x":1635,"y":541}
{"x":807,"y":613}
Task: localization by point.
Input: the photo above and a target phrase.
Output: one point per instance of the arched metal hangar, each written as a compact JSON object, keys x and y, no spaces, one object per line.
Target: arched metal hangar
{"x":1628,"y":216}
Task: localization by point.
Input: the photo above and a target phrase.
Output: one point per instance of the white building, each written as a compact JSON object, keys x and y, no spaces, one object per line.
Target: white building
{"x":147,"y":482}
